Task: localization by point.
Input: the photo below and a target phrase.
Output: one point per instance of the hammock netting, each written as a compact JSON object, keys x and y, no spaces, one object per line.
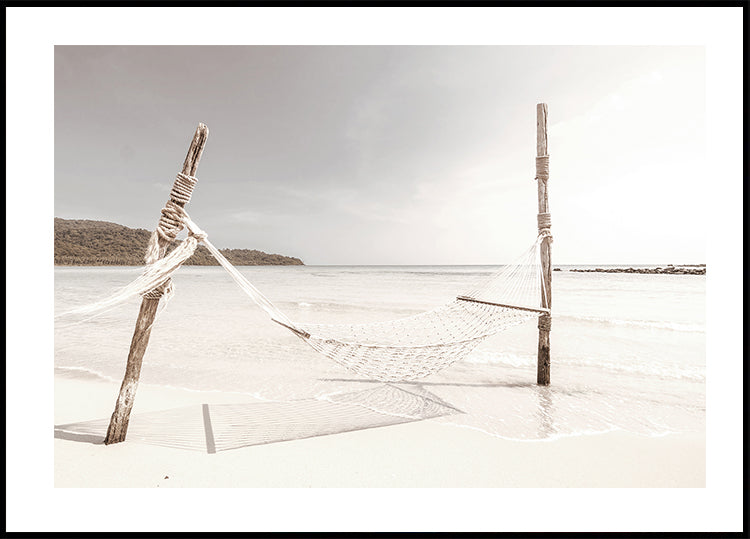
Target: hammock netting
{"x":398,"y":350}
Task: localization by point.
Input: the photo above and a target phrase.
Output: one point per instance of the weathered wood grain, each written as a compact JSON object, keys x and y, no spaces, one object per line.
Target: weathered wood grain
{"x":543,"y":350}
{"x":118,"y":424}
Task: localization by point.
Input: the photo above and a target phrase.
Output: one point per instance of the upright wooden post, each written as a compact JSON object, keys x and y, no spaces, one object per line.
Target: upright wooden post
{"x":543,"y":222}
{"x":118,"y":424}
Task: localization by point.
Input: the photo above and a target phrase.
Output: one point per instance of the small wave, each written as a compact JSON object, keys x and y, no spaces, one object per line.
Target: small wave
{"x":650,"y":324}
{"x":83,"y":372}
{"x":663,"y":371}
{"x":304,"y":304}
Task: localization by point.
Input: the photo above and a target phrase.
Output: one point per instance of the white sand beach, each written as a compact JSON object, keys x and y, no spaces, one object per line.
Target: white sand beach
{"x":364,"y":155}
{"x":418,"y":454}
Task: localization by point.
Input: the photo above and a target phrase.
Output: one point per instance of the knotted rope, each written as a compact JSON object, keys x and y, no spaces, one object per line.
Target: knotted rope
{"x":403,"y":349}
{"x":179,"y":255}
{"x":182,"y":189}
{"x":544,"y":224}
{"x":544,"y":220}
{"x":542,"y":167}
{"x":155,"y":280}
{"x":167,"y":288}
{"x":170,"y":221}
{"x":170,"y":224}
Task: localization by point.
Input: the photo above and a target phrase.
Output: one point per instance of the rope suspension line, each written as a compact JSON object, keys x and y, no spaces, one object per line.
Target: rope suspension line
{"x":403,"y":349}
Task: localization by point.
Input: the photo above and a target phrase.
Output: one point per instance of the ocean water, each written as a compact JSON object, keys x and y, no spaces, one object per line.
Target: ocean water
{"x":628,"y":350}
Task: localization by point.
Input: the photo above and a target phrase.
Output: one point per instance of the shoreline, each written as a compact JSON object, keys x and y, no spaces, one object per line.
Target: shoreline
{"x":425,"y":453}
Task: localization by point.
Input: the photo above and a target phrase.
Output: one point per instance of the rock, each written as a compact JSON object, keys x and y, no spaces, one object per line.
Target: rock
{"x":669,"y":270}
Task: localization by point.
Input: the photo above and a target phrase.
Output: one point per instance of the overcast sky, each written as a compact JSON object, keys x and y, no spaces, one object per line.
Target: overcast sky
{"x":393,"y":155}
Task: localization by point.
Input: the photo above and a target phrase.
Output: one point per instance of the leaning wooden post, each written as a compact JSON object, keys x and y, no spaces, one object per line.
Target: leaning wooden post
{"x":180,"y":195}
{"x":544,"y":224}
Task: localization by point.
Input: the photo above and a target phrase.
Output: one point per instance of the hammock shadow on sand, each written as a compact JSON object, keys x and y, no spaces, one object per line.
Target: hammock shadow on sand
{"x":221,"y":427}
{"x":545,"y":412}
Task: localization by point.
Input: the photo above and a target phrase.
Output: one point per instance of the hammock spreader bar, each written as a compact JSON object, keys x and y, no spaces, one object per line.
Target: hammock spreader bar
{"x":296,"y":331}
{"x":532,"y":309}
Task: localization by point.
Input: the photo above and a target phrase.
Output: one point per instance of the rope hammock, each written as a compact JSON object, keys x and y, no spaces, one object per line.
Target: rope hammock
{"x":398,"y":350}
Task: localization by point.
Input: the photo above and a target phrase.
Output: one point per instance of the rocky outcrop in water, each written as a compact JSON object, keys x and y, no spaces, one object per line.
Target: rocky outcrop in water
{"x":668,"y":270}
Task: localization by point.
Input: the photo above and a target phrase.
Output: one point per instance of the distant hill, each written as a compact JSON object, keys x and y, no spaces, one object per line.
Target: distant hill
{"x":99,"y":243}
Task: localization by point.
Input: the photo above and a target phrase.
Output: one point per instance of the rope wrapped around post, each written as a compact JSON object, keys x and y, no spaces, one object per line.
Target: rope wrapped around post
{"x":542,"y":168}
{"x":544,"y":225}
{"x":195,"y":236}
{"x":170,"y":221}
{"x":169,"y":225}
{"x":167,"y":288}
